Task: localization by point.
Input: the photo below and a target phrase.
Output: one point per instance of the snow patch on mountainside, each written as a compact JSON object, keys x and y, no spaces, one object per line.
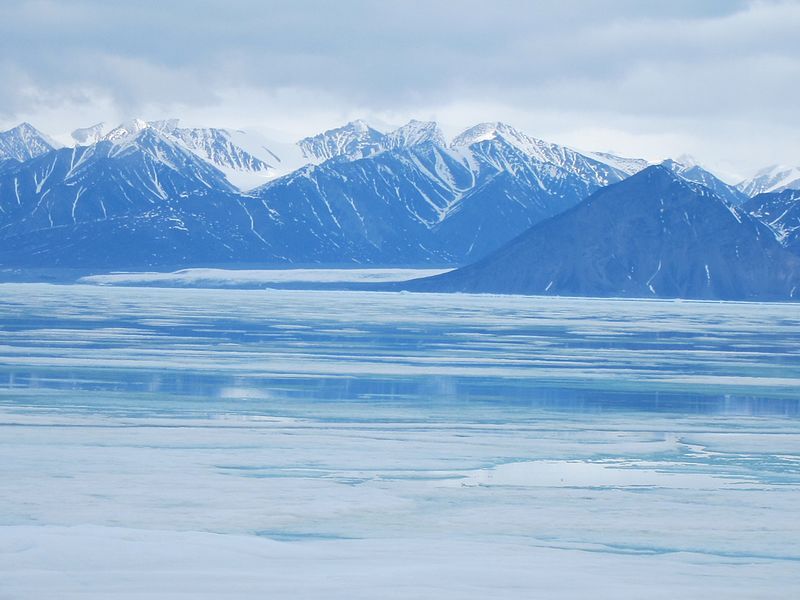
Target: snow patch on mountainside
{"x":781,"y":212}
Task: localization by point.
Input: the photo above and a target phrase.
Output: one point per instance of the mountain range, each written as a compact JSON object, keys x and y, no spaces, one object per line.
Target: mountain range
{"x":654,"y":234}
{"x":153,"y":194}
{"x":359,"y":196}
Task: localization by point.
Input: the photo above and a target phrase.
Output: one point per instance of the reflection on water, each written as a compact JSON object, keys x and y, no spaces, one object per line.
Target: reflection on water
{"x":152,"y":393}
{"x":146,"y":350}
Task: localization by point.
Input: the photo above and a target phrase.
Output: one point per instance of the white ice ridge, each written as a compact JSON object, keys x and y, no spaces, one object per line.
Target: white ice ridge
{"x":233,"y":277}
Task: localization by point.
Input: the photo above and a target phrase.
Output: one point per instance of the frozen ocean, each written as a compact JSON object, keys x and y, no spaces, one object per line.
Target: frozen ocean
{"x":224,"y":443}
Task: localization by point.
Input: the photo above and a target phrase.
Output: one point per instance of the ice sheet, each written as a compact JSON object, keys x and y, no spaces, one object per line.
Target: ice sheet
{"x":249,"y":444}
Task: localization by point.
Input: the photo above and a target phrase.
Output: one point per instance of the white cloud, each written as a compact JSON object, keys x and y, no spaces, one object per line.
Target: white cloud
{"x":717,"y":78}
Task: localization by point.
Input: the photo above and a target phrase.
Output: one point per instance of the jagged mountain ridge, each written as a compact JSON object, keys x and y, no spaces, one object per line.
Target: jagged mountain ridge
{"x":415,"y":201}
{"x":357,"y":140}
{"x":352,"y":141}
{"x":654,"y":234}
{"x":217,"y":146}
{"x":461,"y":201}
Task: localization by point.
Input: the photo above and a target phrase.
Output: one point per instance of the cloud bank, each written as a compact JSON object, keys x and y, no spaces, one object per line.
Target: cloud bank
{"x":716,"y":78}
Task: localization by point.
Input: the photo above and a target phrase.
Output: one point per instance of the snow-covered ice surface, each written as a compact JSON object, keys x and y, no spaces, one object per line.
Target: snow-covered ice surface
{"x":180,"y":443}
{"x":207,"y":277}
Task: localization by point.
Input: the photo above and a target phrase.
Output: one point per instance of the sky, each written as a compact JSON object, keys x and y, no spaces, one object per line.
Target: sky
{"x":717,"y":79}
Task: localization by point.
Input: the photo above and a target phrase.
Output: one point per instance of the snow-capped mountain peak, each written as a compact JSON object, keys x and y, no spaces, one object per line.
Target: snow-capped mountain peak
{"x":359,"y":125}
{"x":86,"y":136}
{"x":244,"y":168}
{"x":166,"y":125}
{"x":414,"y":133}
{"x":676,"y":166}
{"x":130,"y":128}
{"x":126,"y":130}
{"x":217,"y":146}
{"x":492,"y":131}
{"x":481,"y":133}
{"x":148,"y":141}
{"x":135,"y":126}
{"x":774,"y":178}
{"x":688,"y":161}
{"x":354,"y":140}
{"x":504,"y":133}
{"x":24,"y":142}
{"x":772,"y":170}
{"x":689,"y":169}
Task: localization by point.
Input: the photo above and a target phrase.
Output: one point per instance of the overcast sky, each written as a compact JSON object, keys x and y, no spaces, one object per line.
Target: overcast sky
{"x":719,"y":79}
